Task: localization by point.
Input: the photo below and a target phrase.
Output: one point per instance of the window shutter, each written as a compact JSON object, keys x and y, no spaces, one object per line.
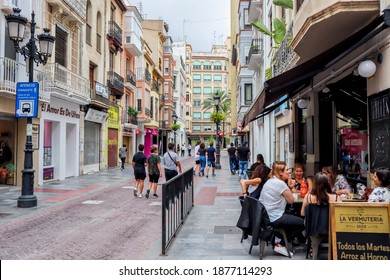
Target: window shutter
{"x":61,"y":46}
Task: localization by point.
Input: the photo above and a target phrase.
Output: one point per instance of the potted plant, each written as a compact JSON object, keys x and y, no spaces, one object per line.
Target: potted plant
{"x":3,"y":175}
{"x":132,"y":111}
{"x":10,"y":168}
{"x":175,"y":126}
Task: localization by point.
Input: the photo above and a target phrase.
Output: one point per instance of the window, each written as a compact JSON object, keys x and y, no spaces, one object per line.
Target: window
{"x":197,"y":103}
{"x":197,"y":77}
{"x":246,"y":19}
{"x":196,"y":65}
{"x":197,"y":116}
{"x":99,"y":32}
{"x":206,"y":115}
{"x":207,"y":127}
{"x":217,"y":78}
{"x":217,"y":65}
{"x":197,"y":90}
{"x":207,"y":90}
{"x":89,"y":24}
{"x":196,"y":128}
{"x":139,"y":105}
{"x":248,"y":94}
{"x":207,"y":77}
{"x":187,"y":97}
{"x":207,"y":65}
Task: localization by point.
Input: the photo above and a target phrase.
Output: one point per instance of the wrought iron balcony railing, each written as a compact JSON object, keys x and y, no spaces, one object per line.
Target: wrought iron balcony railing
{"x":130,"y":77}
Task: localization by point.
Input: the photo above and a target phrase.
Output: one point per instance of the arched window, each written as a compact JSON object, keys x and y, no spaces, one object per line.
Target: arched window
{"x":207,"y":65}
{"x":98,"y":32}
{"x":196,"y":65}
{"x":217,"y":65}
{"x":89,"y":24}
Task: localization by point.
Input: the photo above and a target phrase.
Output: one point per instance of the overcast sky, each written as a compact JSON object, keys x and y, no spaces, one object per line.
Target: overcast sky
{"x":203,"y":22}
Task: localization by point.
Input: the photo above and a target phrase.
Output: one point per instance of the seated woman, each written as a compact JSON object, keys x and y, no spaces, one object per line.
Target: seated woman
{"x":321,"y":193}
{"x":274,"y":196}
{"x":338,"y":183}
{"x":258,"y":179}
{"x":298,"y":177}
{"x":381,"y":193}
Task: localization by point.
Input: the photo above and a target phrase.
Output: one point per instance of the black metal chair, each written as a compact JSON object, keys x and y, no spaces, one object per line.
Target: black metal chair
{"x":317,"y":227}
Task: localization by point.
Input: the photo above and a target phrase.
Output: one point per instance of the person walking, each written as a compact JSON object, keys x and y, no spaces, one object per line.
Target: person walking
{"x":232,"y":158}
{"x":202,"y":157}
{"x":171,"y":163}
{"x":243,"y":153}
{"x":189,"y":150}
{"x":183,"y":150}
{"x":154,"y":171}
{"x":197,"y":157}
{"x":122,"y":155}
{"x":139,"y":164}
{"x":211,"y":156}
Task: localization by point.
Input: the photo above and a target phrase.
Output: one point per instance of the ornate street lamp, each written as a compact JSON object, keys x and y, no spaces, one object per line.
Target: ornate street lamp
{"x":174,"y":118}
{"x":16,"y":26}
{"x":217,"y":101}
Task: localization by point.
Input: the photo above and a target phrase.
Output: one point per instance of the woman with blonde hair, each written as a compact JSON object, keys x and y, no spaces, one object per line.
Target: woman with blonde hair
{"x":274,"y":196}
{"x":298,"y":177}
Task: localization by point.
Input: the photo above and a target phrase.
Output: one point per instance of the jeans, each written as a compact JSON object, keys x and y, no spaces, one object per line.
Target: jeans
{"x":243,"y":167}
{"x":123,"y":162}
{"x":202,"y":163}
{"x":232,"y":162}
{"x":292,"y":225}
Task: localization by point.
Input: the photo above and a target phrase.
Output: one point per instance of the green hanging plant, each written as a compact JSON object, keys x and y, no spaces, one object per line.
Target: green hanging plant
{"x":287,"y":4}
{"x":175,"y":126}
{"x":280,"y":31}
{"x":132,"y":111}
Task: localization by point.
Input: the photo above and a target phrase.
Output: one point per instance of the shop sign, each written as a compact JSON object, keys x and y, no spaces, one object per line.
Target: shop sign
{"x":113,"y":117}
{"x":96,"y":116}
{"x":359,"y":231}
{"x":62,"y":111}
{"x":151,"y":131}
{"x":354,"y":142}
{"x":101,"y":90}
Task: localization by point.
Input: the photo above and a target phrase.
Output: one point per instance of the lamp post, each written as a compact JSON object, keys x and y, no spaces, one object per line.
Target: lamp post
{"x":16,"y":26}
{"x":174,"y":118}
{"x":217,"y":100}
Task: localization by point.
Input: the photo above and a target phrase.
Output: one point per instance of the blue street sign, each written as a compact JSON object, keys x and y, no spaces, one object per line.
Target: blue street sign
{"x":26,"y":105}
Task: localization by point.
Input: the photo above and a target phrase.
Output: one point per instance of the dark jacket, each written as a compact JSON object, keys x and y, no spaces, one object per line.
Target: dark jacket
{"x":254,"y":220}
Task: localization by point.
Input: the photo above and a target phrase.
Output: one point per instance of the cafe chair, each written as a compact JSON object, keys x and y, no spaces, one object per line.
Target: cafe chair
{"x":316,"y":227}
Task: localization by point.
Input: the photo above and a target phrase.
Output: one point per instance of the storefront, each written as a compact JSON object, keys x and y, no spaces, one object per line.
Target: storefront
{"x":93,"y":133}
{"x":150,"y":139}
{"x":113,"y":136}
{"x":7,"y":150}
{"x":58,"y":140}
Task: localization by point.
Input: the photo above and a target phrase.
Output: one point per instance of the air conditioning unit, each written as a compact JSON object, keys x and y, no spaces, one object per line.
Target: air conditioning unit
{"x":7,"y":5}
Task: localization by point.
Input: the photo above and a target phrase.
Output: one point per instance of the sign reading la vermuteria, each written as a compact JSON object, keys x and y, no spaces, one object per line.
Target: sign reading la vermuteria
{"x":359,"y":231}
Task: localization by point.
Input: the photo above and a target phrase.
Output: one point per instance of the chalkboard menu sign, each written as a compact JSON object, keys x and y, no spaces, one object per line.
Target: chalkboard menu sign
{"x":379,"y":126}
{"x":360,"y":231}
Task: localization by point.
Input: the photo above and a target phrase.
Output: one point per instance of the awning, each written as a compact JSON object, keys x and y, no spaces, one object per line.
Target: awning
{"x":296,"y":79}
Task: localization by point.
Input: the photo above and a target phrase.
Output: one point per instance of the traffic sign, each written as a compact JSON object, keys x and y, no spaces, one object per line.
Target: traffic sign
{"x":26,"y":105}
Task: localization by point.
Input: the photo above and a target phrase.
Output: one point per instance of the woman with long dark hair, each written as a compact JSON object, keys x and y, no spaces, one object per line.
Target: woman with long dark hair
{"x":321,"y":193}
{"x":381,"y":193}
{"x":259,"y":177}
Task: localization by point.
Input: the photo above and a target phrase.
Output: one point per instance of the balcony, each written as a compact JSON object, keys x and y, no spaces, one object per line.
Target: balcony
{"x":129,"y":121}
{"x":285,"y":56}
{"x":144,"y":75}
{"x":6,"y":6}
{"x":116,"y":84}
{"x":321,"y":24}
{"x":74,"y":10}
{"x":12,"y":72}
{"x":68,"y":85}
{"x":156,"y":86}
{"x":114,"y":36}
{"x":99,"y":96}
{"x":164,"y":125}
{"x":130,"y":80}
{"x":255,"y":56}
{"x":255,"y":10}
{"x":133,"y":31}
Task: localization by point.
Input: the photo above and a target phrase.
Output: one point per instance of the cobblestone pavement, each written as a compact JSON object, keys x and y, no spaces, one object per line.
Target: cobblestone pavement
{"x":95,"y":217}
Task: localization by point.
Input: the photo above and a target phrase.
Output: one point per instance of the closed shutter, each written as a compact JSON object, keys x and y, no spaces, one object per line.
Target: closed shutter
{"x":61,"y":46}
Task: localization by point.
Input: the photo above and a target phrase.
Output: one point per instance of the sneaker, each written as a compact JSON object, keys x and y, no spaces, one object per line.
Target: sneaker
{"x":147,"y":194}
{"x":140,"y":195}
{"x":135,"y":192}
{"x":194,"y":173}
{"x":155,"y":195}
{"x":214,"y":174}
{"x":200,"y":174}
{"x":207,"y":175}
{"x":282,"y":250}
{"x":239,"y":177}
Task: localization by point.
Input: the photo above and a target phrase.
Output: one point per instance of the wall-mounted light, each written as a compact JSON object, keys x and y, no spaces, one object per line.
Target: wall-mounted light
{"x":367,"y":68}
{"x":302,"y":103}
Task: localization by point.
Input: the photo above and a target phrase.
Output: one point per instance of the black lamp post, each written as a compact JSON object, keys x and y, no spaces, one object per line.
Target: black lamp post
{"x":16,"y":27}
{"x":174,"y":118}
{"x":217,"y":100}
